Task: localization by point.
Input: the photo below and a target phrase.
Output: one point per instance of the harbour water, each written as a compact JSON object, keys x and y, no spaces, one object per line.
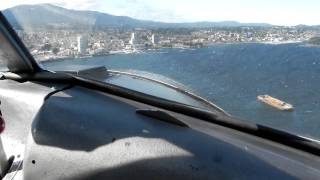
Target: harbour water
{"x":233,"y":75}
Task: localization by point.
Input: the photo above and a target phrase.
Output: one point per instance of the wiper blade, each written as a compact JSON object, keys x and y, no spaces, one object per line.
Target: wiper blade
{"x":162,"y":116}
{"x":216,"y":117}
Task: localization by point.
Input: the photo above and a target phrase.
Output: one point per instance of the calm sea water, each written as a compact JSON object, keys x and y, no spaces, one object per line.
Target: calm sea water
{"x":232,"y":75}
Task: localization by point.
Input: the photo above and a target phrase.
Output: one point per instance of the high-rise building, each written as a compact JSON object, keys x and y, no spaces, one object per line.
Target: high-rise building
{"x":132,"y":39}
{"x":154,"y":39}
{"x":82,"y":44}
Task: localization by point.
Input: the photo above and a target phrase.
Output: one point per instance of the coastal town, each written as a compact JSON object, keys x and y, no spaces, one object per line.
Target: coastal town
{"x":57,"y":44}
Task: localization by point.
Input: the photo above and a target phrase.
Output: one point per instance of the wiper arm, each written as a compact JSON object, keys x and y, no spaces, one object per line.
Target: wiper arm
{"x":216,"y":117}
{"x":162,"y":116}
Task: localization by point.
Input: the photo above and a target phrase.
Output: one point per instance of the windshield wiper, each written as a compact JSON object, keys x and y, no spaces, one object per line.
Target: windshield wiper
{"x":216,"y":117}
{"x":162,"y":116}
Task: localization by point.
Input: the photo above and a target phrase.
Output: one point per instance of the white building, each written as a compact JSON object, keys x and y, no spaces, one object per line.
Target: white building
{"x":82,"y":44}
{"x":154,"y":39}
{"x":132,"y":39}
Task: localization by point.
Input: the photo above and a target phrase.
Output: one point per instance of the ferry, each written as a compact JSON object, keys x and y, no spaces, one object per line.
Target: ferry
{"x":274,"y":102}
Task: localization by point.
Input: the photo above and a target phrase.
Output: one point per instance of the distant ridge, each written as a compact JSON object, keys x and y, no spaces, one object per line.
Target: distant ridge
{"x":51,"y":16}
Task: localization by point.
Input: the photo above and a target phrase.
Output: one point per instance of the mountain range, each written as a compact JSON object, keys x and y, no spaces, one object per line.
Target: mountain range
{"x":49,"y":16}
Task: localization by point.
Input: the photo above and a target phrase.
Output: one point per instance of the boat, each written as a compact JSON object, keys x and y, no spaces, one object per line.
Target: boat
{"x":274,"y":102}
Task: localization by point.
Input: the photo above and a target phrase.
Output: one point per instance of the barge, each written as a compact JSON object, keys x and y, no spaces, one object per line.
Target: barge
{"x":274,"y":102}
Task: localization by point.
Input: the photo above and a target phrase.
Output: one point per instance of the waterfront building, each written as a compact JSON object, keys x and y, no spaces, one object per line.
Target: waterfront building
{"x":154,"y":39}
{"x":82,"y":44}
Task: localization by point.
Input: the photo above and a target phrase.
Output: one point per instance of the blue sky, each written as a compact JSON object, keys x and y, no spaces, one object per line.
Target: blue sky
{"x":278,"y":12}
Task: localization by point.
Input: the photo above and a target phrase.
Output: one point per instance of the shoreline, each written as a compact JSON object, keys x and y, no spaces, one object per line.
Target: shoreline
{"x":57,"y":58}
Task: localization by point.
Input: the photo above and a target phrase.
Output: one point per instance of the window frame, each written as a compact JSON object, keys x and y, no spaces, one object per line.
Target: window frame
{"x":24,"y":63}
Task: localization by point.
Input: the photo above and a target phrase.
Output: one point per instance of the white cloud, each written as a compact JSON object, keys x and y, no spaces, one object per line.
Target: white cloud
{"x":80,"y":4}
{"x":284,"y":12}
{"x":71,"y":4}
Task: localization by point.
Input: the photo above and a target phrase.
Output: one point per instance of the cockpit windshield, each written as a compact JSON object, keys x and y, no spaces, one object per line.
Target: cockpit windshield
{"x":257,"y":60}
